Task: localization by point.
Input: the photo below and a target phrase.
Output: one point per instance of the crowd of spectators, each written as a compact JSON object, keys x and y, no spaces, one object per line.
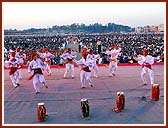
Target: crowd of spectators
{"x":131,"y":44}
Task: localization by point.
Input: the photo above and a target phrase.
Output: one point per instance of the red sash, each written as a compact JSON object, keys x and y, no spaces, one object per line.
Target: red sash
{"x":36,"y":71}
{"x":12,"y":70}
{"x":147,"y":65}
{"x":86,"y":69}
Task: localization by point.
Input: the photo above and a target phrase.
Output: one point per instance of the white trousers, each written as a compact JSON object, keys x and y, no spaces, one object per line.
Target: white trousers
{"x":68,"y":68}
{"x":85,"y":76}
{"x":95,"y":69}
{"x":113,"y":67}
{"x":20,"y":73}
{"x":36,"y":79}
{"x":15,"y":78}
{"x":151,"y":75}
{"x":48,"y":68}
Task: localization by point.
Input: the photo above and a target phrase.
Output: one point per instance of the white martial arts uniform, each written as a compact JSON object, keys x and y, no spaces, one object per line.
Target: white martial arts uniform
{"x":12,"y":64}
{"x":47,"y":60}
{"x":113,"y":60}
{"x":85,"y":73}
{"x":94,"y":58}
{"x":146,"y":62}
{"x":69,"y":62}
{"x":20,"y":58}
{"x":37,"y":66}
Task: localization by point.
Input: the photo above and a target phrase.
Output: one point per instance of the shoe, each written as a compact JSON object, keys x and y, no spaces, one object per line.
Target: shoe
{"x":110,"y":75}
{"x":143,"y":98}
{"x":91,"y":85}
{"x":82,"y":87}
{"x":46,"y":86}
{"x":114,"y":74}
{"x":37,"y":92}
{"x":73,"y":77}
{"x":95,"y":76}
{"x":144,"y":84}
{"x":18,"y":84}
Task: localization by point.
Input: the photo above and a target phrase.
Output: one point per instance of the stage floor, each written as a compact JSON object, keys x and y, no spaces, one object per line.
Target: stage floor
{"x":62,"y":98}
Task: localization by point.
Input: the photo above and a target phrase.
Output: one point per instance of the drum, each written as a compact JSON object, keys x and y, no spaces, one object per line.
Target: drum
{"x":41,"y":112}
{"x":155,"y":92}
{"x":120,"y":101}
{"x":85,"y":108}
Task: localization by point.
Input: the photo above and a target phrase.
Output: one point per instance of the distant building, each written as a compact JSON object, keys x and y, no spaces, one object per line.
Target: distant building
{"x":153,"y":28}
{"x":147,"y":29}
{"x":139,"y":29}
{"x":161,"y":27}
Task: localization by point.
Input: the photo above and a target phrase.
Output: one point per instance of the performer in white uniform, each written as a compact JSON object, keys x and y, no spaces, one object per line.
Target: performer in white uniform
{"x":11,"y":54}
{"x":20,"y":56}
{"x":94,"y":58}
{"x":114,"y":53}
{"x":85,"y":63}
{"x":12,"y":64}
{"x":37,"y":65}
{"x":47,"y":59}
{"x":146,"y":61}
{"x":69,"y":57}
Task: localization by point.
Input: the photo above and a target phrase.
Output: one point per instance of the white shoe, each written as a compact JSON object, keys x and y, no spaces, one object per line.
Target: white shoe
{"x":44,"y":85}
{"x":15,"y":85}
{"x":95,"y":75}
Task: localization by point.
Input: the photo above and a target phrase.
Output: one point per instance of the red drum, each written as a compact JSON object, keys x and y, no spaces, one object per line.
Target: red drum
{"x":120,"y":101}
{"x":85,"y":108}
{"x":155,"y":92}
{"x":41,"y":112}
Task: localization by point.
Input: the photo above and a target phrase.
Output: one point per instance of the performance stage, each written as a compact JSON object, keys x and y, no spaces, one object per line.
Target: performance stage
{"x":62,"y":98}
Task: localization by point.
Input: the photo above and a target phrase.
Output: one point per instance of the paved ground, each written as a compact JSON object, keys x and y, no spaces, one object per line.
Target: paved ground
{"x":62,"y":98}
